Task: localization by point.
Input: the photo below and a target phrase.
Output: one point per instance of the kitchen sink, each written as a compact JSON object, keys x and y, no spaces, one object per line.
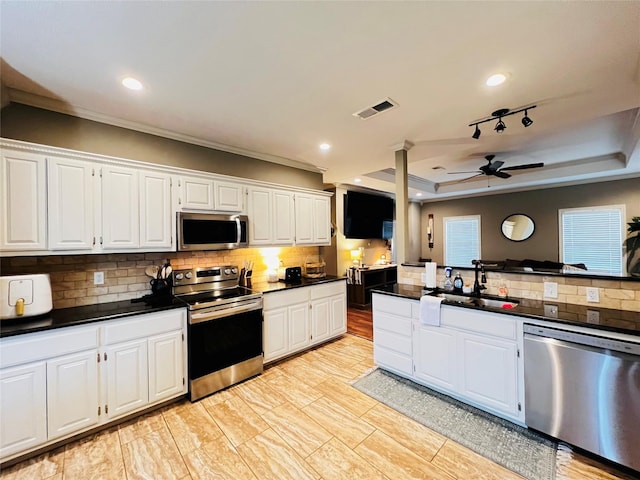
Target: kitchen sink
{"x":480,"y":302}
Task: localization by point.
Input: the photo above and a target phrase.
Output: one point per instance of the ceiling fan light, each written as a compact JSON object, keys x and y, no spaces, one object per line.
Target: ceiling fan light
{"x":526,"y":121}
{"x":500,"y":126}
{"x":476,"y":133}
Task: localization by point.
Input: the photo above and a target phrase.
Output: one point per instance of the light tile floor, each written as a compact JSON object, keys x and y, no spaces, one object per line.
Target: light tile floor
{"x":300,"y":420}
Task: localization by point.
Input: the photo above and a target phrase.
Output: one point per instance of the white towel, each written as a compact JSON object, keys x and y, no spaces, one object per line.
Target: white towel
{"x":430,"y":310}
{"x":430,"y":274}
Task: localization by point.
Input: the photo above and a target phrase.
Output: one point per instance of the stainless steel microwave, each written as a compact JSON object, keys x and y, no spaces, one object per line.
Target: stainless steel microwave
{"x":208,"y":231}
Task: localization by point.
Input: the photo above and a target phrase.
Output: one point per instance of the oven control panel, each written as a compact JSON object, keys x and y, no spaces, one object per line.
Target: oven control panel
{"x":192,"y":276}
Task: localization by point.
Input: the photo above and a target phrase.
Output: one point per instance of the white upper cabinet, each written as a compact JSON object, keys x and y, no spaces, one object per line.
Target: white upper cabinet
{"x":120,"y":218}
{"x":313,"y":219}
{"x":156,"y":214}
{"x":228,"y":197}
{"x":70,"y":204}
{"x":22,"y":201}
{"x":271,"y":217}
{"x":196,"y":193}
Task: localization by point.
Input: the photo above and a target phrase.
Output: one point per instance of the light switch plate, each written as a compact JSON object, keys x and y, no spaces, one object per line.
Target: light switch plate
{"x":550,"y":290}
{"x":551,"y":311}
{"x":593,"y":295}
{"x":98,"y":278}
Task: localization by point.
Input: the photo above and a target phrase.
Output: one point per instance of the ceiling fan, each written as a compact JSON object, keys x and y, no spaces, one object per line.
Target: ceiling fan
{"x":493,"y":168}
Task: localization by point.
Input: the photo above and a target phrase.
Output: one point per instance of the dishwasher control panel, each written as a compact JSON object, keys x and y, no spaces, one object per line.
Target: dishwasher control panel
{"x":583,"y":339}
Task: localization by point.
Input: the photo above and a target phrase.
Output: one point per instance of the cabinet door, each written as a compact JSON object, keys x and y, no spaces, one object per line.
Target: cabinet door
{"x":435,"y":357}
{"x":23,"y":407}
{"x":275,"y":333}
{"x":320,"y":319}
{"x":304,"y":219}
{"x":22,"y":201}
{"x":259,"y":216}
{"x":321,"y":220}
{"x":489,"y":372}
{"x":127,"y":378}
{"x":197,"y":194}
{"x":228,"y":197}
{"x":70,"y":204}
{"x":72,"y":393}
{"x":299,"y":337}
{"x":120,"y":208}
{"x":166,"y":366}
{"x":283,"y":218}
{"x":156,"y":219}
{"x":338,"y":309}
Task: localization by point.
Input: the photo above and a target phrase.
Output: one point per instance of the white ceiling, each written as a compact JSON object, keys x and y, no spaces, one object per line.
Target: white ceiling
{"x":275,"y":79}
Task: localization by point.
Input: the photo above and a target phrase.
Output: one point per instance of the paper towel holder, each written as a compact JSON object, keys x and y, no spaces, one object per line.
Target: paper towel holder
{"x":430,"y":230}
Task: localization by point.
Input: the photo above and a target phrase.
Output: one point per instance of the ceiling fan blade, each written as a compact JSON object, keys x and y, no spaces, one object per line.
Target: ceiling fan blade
{"x":522,"y":167}
{"x":496,"y":165}
{"x":466,"y":179}
{"x":474,"y":171}
{"x":501,"y":174}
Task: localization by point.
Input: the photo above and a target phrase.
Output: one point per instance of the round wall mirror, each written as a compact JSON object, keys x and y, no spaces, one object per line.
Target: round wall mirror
{"x":518,"y":227}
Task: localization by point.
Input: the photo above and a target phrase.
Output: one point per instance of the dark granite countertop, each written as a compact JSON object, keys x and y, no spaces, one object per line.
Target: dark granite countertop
{"x":67,"y":317}
{"x":266,"y":287}
{"x":622,"y":321}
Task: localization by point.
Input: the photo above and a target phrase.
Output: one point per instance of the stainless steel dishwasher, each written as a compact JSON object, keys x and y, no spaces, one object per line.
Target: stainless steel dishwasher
{"x":585,"y":390}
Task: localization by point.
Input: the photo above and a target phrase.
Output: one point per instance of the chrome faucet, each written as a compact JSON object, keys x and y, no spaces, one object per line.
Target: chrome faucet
{"x":477,"y":287}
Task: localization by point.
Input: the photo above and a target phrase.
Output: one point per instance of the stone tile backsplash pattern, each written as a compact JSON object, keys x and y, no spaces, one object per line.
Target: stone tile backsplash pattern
{"x":124,"y":277}
{"x":614,"y":294}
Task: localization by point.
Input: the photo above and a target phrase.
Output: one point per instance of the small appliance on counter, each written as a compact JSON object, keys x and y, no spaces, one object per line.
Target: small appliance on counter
{"x":25,"y":296}
{"x":291,"y":274}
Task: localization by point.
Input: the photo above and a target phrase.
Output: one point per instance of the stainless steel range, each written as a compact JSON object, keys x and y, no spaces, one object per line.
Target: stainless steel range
{"x":224,"y":328}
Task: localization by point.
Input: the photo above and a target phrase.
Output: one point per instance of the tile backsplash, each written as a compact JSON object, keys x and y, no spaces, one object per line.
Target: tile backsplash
{"x":614,"y":294}
{"x":124,"y":277}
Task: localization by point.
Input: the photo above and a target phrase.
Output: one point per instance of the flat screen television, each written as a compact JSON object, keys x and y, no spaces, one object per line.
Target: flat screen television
{"x":367,"y":215}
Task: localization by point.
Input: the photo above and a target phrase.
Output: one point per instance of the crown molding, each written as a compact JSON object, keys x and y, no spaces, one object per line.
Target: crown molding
{"x":38,"y":101}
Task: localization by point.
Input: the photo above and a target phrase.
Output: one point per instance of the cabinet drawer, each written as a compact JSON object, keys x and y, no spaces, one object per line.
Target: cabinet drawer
{"x":328,"y":289}
{"x":143,"y":326}
{"x":393,"y":360}
{"x":392,"y":341}
{"x":272,"y":300}
{"x":43,"y":345}
{"x":492,"y":324}
{"x":389,"y":304}
{"x":392,"y":323}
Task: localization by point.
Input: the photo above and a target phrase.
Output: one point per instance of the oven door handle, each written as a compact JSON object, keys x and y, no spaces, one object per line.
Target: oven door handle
{"x":223,"y":312}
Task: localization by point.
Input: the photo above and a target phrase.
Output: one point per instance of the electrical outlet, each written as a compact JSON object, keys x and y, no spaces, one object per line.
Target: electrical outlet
{"x":98,"y":278}
{"x":593,"y":316}
{"x":551,"y":311}
{"x":593,"y":295}
{"x":550,"y":290}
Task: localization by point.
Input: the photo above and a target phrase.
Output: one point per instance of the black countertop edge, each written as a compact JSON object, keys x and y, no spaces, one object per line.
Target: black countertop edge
{"x":67,"y":317}
{"x":620,"y":321}
{"x":267,"y":287}
{"x":549,"y":273}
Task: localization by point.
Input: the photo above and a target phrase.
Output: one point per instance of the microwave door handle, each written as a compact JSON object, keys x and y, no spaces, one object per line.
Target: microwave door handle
{"x":238,"y":230}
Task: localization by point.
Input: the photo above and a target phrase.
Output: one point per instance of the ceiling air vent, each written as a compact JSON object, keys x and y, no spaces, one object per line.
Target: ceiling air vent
{"x":381,"y":106}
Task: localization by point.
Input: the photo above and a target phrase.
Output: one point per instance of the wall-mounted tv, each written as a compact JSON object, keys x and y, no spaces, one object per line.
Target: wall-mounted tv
{"x":367,"y":215}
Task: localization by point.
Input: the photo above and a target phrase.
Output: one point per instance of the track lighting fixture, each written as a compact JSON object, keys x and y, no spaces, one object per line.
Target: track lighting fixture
{"x":499,"y":114}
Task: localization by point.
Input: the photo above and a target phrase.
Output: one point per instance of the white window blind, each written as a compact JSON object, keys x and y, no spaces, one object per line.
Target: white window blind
{"x":593,"y":236}
{"x":461,"y":240}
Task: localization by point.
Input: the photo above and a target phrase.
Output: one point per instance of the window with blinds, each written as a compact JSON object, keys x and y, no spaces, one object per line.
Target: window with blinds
{"x":461,"y":240}
{"x":593,"y":236}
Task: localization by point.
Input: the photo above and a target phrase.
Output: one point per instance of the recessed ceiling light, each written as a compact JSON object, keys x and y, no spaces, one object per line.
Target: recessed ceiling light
{"x":132,"y":83}
{"x":357,"y":180}
{"x":418,"y":194}
{"x":325,"y":146}
{"x":496,"y":79}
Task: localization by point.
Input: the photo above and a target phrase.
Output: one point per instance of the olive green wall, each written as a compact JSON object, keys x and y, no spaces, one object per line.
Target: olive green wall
{"x":541,"y":205}
{"x":30,"y":124}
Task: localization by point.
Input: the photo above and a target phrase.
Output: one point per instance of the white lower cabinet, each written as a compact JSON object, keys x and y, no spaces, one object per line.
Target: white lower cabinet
{"x":23,"y":403}
{"x":72,"y":393}
{"x":58,"y":383}
{"x":297,"y":318}
{"x":473,"y":355}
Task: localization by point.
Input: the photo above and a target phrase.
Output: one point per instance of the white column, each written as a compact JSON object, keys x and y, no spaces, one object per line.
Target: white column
{"x":401,"y":233}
